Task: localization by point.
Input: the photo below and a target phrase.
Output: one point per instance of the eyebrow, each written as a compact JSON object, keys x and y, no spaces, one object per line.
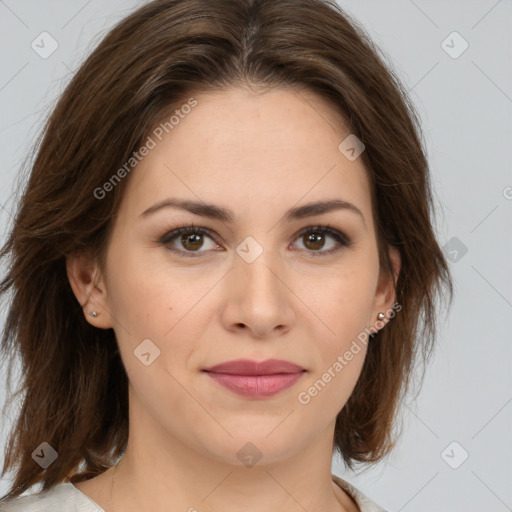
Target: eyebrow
{"x":224,"y":215}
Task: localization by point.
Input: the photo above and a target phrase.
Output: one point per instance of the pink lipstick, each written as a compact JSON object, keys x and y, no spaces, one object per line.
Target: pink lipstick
{"x":256,"y":379}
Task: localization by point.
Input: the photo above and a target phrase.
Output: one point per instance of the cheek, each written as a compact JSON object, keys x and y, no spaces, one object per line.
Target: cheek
{"x":342,"y":299}
{"x":340,"y":361}
{"x":149,"y":302}
{"x":140,"y":292}
{"x":343,"y":302}
{"x":140,"y":316}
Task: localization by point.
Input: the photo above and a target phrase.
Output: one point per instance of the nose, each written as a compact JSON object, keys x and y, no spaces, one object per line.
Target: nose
{"x":258,"y":298}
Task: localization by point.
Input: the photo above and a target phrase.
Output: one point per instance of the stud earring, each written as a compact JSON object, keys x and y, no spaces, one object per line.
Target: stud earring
{"x":381,"y":316}
{"x":93,"y":313}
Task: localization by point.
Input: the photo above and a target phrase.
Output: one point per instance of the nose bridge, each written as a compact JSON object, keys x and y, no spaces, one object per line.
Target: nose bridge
{"x":261,"y":295}
{"x":258,"y":266}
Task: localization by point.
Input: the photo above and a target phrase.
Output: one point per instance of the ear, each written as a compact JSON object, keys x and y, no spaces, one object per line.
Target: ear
{"x":89,"y":288}
{"x":385,"y":295}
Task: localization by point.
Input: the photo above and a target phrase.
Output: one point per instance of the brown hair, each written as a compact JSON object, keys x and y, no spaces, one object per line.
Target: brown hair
{"x":74,"y":386}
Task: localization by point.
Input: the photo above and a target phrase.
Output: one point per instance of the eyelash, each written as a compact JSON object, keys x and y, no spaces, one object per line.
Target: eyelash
{"x":342,"y":240}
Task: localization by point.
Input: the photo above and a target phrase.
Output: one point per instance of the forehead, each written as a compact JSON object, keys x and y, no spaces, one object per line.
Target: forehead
{"x":246,"y":150}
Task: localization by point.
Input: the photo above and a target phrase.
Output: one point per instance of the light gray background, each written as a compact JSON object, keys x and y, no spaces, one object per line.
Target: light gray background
{"x":466,"y":106}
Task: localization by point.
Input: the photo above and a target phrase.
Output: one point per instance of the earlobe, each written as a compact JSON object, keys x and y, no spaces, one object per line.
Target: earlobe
{"x":89,"y":289}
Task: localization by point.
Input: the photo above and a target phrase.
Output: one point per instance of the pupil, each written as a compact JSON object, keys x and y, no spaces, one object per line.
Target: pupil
{"x":191,"y":240}
{"x":316,"y":239}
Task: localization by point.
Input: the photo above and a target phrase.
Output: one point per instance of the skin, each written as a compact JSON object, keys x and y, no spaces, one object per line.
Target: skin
{"x":256,"y":154}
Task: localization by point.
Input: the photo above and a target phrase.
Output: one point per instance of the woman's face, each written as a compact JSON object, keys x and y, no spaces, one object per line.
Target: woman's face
{"x":264,"y":284}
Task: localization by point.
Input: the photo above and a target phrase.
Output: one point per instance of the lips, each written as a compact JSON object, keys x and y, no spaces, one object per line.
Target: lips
{"x":253,"y":379}
{"x":250,"y":367}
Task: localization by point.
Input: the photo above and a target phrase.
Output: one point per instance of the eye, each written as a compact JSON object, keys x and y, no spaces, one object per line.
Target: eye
{"x":314,"y":237}
{"x":192,"y":239}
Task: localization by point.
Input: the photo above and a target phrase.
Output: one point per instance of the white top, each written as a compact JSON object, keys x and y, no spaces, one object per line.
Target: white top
{"x":65,"y":497}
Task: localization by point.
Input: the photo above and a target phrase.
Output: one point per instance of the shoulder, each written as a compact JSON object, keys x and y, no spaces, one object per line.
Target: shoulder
{"x":364,"y":503}
{"x":63,"y":497}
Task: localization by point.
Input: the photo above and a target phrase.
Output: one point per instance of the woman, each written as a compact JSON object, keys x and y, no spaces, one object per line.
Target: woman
{"x":219,"y":266}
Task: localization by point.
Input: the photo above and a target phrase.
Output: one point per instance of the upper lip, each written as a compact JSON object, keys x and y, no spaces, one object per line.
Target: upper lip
{"x":250,"y":367}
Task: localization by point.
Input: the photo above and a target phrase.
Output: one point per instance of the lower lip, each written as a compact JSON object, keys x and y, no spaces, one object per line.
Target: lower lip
{"x":256,"y":385}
